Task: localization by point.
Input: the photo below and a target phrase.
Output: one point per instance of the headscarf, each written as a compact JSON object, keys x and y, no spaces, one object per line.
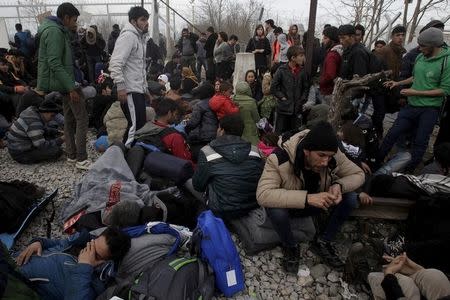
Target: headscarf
{"x":188,"y":73}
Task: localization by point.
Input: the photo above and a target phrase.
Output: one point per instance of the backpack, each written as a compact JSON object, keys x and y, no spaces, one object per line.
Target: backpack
{"x":213,"y":242}
{"x":13,"y":285}
{"x":16,"y":199}
{"x":156,"y":139}
{"x":169,"y":279}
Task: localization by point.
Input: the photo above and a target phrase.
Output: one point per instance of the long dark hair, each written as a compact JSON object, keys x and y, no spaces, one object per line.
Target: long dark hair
{"x":256,"y":30}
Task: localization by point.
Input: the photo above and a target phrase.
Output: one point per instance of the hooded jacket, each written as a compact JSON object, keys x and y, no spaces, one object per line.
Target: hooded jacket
{"x":280,"y":187}
{"x":249,"y":112}
{"x":294,"y":88}
{"x":330,"y":69}
{"x":127,"y":64}
{"x":55,"y":61}
{"x":56,"y":274}
{"x":202,"y":126}
{"x":229,"y":169}
{"x":222,"y":105}
{"x":429,"y":74}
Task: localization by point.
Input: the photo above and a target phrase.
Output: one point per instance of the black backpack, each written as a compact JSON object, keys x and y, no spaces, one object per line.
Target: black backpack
{"x":16,"y":199}
{"x":156,"y":139}
{"x":170,"y":279}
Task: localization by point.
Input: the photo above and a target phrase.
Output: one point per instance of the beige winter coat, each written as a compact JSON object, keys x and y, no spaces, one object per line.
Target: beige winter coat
{"x":280,"y":187}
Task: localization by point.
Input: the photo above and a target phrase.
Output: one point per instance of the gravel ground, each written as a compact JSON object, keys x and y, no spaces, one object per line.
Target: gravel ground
{"x":263,"y":274}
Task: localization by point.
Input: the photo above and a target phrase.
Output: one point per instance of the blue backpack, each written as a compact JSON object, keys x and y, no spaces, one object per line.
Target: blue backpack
{"x":212,"y":242}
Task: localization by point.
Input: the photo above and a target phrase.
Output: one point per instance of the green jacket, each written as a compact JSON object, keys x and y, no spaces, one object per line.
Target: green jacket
{"x":55,"y":62}
{"x":248,"y":110}
{"x":429,"y":74}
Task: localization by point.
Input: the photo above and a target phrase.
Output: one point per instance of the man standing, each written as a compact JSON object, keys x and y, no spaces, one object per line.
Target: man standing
{"x":187,"y":45}
{"x":113,"y":38}
{"x":229,"y":169}
{"x":360,"y":31}
{"x":290,"y":87}
{"x":55,"y":73}
{"x":269,"y":26}
{"x":209,"y":48}
{"x":306,"y":175}
{"x":93,"y":45}
{"x":355,"y":59}
{"x":430,"y":84}
{"x":21,"y":40}
{"x":201,"y":55}
{"x":391,"y":58}
{"x":331,"y":63}
{"x":127,"y":67}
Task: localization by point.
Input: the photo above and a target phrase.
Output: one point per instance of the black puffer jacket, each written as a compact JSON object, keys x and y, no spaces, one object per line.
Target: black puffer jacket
{"x":229,"y":169}
{"x":202,"y":126}
{"x":355,"y":61}
{"x":293,"y":88}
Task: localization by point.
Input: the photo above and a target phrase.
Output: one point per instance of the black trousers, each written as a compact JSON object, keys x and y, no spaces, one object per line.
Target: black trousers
{"x":134,"y":110}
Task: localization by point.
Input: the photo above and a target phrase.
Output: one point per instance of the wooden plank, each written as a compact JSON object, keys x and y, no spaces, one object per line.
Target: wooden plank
{"x":385,"y":208}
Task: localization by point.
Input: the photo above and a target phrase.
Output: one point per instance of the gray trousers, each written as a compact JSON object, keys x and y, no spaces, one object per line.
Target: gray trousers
{"x":75,"y":127}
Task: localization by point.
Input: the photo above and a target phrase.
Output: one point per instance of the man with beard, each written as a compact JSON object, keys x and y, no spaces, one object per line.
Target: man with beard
{"x":331,"y":63}
{"x":430,"y":84}
{"x":127,"y":67}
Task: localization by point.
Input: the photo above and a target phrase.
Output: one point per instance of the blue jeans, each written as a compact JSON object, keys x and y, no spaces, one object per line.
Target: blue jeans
{"x":420,"y":120}
{"x":396,"y":164}
{"x":280,"y":218}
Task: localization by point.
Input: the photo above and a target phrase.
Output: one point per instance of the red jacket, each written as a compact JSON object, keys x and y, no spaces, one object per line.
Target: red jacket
{"x":330,"y":70}
{"x":222,"y":105}
{"x":176,"y":144}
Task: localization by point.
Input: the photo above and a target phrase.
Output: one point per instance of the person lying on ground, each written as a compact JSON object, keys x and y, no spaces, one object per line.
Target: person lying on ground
{"x":229,"y":169}
{"x":308,"y":174}
{"x":402,"y":278}
{"x":74,"y":268}
{"x":30,"y":139}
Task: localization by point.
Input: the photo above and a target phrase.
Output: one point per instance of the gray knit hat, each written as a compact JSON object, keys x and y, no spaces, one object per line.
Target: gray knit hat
{"x":432,"y":37}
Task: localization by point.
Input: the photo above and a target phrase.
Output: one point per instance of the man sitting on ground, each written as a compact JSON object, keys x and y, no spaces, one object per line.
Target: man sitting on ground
{"x":30,"y":140}
{"x":160,"y":134}
{"x":229,"y":167}
{"x":73,"y":268}
{"x":306,"y":175}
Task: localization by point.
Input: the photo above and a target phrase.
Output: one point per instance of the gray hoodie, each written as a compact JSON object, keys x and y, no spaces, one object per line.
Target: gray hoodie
{"x":127,"y":64}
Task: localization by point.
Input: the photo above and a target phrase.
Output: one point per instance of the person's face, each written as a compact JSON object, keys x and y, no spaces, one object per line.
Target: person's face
{"x":185,"y":34}
{"x":378,"y":47}
{"x":326,"y":41}
{"x":102,"y":252}
{"x":317,"y":160}
{"x":161,"y":82}
{"x":173,"y":117}
{"x":141,"y":23}
{"x":426,"y":51}
{"x":106,"y":91}
{"x":228,"y":93}
{"x":217,"y":86}
{"x":219,"y":38}
{"x":250,"y":78}
{"x":266,"y":26}
{"x":70,"y":23}
{"x":48,"y":116}
{"x":299,"y":59}
{"x":294,"y":30}
{"x":346,"y":40}
{"x":260,"y":31}
{"x":232,"y":42}
{"x":3,"y":67}
{"x":220,"y":132}
{"x":398,"y":39}
{"x":358,"y":36}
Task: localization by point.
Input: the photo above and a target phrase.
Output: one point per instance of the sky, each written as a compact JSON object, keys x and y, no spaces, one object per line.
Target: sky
{"x":284,"y":12}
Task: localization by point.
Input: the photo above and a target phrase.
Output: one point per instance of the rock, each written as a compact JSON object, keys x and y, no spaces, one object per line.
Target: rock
{"x":333,"y":277}
{"x":333,"y":290}
{"x":322,"y":280}
{"x":303,"y":271}
{"x":305,"y":281}
{"x":318,"y":271}
{"x":322,"y":297}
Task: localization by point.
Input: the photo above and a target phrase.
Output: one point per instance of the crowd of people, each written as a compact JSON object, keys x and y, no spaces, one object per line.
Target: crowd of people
{"x":263,"y":142}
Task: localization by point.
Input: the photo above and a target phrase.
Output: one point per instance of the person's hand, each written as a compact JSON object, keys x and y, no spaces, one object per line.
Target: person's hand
{"x":365,"y":199}
{"x":390,"y":84}
{"x":366,"y":168}
{"x":74,"y":96}
{"x":20,"y":89}
{"x":87,"y":255}
{"x":321,"y":200}
{"x":409,"y":267}
{"x":408,"y":92}
{"x":283,"y":99}
{"x":336,"y":191}
{"x":122,"y":96}
{"x":24,"y":257}
{"x":395,"y":265}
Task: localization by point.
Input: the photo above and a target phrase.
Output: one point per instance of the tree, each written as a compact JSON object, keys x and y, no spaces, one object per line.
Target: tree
{"x":419,"y":11}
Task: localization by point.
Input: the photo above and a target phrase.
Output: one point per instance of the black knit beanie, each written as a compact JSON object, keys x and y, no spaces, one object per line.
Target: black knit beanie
{"x":321,"y":137}
{"x":331,"y":33}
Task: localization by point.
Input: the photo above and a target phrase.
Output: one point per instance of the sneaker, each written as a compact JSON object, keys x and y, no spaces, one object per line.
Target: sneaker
{"x":83,"y":165}
{"x":327,"y":252}
{"x":71,"y":161}
{"x":291,"y":259}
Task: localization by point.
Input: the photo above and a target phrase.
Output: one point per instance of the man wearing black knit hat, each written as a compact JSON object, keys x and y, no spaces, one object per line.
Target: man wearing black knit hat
{"x":331,"y":63}
{"x":30,"y":140}
{"x":305,"y":175}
